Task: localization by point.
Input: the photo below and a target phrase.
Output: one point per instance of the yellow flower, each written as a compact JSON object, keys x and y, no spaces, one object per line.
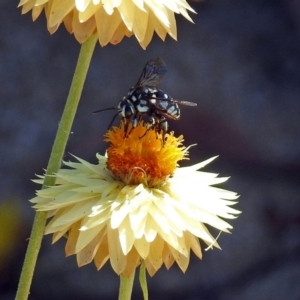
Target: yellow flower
{"x":136,"y":204}
{"x":153,"y":164}
{"x":111,"y":20}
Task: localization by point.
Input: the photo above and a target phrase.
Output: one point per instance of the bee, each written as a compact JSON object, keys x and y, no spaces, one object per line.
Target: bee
{"x":144,"y":99}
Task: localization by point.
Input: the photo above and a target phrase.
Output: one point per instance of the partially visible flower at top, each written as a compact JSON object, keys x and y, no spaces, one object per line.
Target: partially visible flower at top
{"x":111,"y":20}
{"x":136,"y":204}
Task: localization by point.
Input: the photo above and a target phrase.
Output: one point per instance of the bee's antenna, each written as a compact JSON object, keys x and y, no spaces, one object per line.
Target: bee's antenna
{"x":104,"y":109}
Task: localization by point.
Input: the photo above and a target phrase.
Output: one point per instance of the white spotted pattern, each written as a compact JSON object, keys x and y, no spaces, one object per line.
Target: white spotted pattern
{"x":142,"y":109}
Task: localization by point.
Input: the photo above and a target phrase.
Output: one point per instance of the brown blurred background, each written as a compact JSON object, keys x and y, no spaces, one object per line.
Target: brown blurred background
{"x":240,"y":62}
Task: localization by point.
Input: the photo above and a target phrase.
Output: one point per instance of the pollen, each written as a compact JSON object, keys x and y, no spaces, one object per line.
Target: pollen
{"x":142,"y":156}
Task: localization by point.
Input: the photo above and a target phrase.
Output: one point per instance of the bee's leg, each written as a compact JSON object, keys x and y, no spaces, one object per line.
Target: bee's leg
{"x":150,"y":124}
{"x":126,"y":124}
{"x":134,"y":123}
{"x":163,"y":128}
{"x":111,"y":122}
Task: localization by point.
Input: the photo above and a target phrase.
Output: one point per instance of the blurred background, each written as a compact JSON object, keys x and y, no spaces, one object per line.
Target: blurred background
{"x":240,"y":62}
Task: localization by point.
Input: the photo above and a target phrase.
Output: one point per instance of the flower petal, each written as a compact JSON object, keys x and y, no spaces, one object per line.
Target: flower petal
{"x":117,"y":257}
{"x":106,"y":25}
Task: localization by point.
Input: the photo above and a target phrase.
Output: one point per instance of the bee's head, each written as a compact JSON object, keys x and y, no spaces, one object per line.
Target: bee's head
{"x":125,"y":108}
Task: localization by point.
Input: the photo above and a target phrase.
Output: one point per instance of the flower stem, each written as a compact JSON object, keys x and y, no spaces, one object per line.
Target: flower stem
{"x":143,"y":281}
{"x":54,"y":163}
{"x":126,"y":284}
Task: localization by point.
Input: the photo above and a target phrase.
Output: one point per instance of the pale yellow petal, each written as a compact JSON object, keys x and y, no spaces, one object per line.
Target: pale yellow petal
{"x":59,"y":9}
{"x":159,"y":11}
{"x":40,"y":2}
{"x":159,"y":218}
{"x":58,"y":215}
{"x":168,"y":257}
{"x":195,"y":167}
{"x":36,"y":11}
{"x":119,"y":214}
{"x":101,"y":217}
{"x":159,"y":28}
{"x":171,"y":239}
{"x":151,"y":270}
{"x":55,"y":190}
{"x":53,"y":29}
{"x":142,"y":247}
{"x":102,"y":255}
{"x":39,"y":200}
{"x":68,"y":19}
{"x":139,"y":4}
{"x":71,"y":198}
{"x":204,"y":216}
{"x":172,"y":216}
{"x":185,"y":14}
{"x":106,"y":25}
{"x":86,"y":166}
{"x":193,"y":242}
{"x":99,"y":209}
{"x":183,"y":248}
{"x":81,"y":180}
{"x":22,"y":2}
{"x":126,"y":236}
{"x":57,"y":235}
{"x":108,"y":6}
{"x":127,"y":13}
{"x":140,"y":24}
{"x":117,"y":258}
{"x":183,"y":3}
{"x":199,"y":230}
{"x":171,"y":5}
{"x":212,"y":244}
{"x":116,"y":3}
{"x":81,"y":5}
{"x":72,"y":213}
{"x":119,"y":34}
{"x":132,"y":262}
{"x":84,"y":16}
{"x":172,"y":28}
{"x":150,"y":229}
{"x":82,"y":31}
{"x":155,"y":256}
{"x":72,"y":239}
{"x":87,"y":254}
{"x":182,"y":260}
{"x":87,"y":236}
{"x":138,"y":219}
{"x":149,"y":32}
{"x":27,"y":7}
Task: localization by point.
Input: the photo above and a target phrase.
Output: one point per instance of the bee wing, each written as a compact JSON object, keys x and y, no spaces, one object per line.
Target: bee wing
{"x":180,"y":102}
{"x":162,"y":105}
{"x":186,"y":103}
{"x":162,"y":111}
{"x":169,"y":116}
{"x":153,"y":73}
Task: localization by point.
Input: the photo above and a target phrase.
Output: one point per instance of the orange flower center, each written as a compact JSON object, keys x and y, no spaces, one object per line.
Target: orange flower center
{"x":142,"y":157}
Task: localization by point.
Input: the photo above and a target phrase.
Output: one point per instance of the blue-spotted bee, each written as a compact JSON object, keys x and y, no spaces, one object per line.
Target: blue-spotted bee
{"x":144,"y":99}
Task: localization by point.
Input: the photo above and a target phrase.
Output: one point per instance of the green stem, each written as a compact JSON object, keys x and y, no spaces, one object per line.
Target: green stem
{"x":143,"y":281}
{"x":126,"y":284}
{"x":54,"y":163}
